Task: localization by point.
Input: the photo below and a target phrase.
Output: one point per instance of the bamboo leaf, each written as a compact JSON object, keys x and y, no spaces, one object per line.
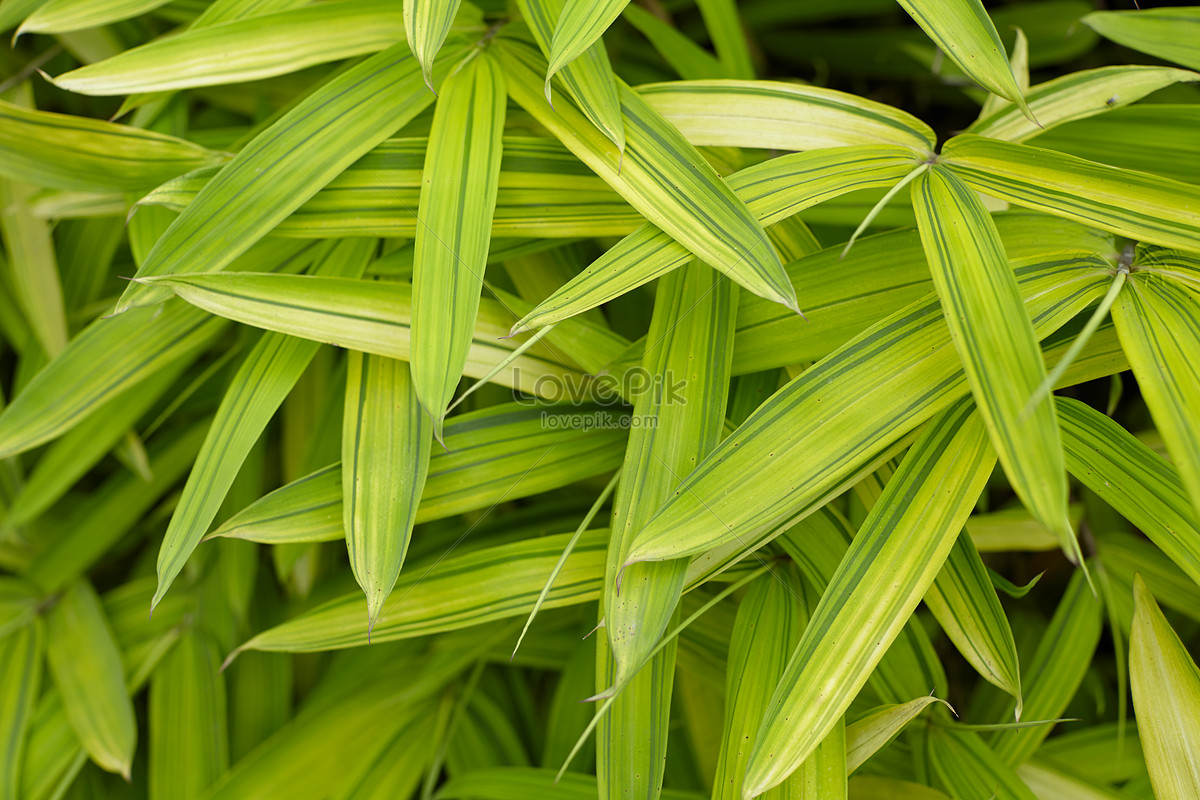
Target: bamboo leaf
{"x":662,"y":176}
{"x":769,"y":622}
{"x":259,"y":387}
{"x":1166,"y":696}
{"x":86,"y":666}
{"x":189,"y":737}
{"x":912,"y":348}
{"x":371,"y":317}
{"x":385,"y":447}
{"x":32,"y":270}
{"x":1055,"y":672}
{"x":872,"y":733}
{"x":787,"y":116}
{"x":589,"y":78}
{"x":1133,"y":204}
{"x":239,"y":50}
{"x":284,"y":166}
{"x":966,"y":606}
{"x":773,"y":191}
{"x":964,"y":32}
{"x":577,"y":28}
{"x":1159,"y":324}
{"x":19,"y":602}
{"x":88,"y":155}
{"x":427,"y":24}
{"x":506,"y":581}
{"x":1137,"y":482}
{"x":458,"y":198}
{"x":1076,"y":96}
{"x":997,"y":344}
{"x":20,"y":680}
{"x":970,"y":770}
{"x":64,"y":16}
{"x":893,"y":560}
{"x":1167,"y":33}
{"x":687,"y":58}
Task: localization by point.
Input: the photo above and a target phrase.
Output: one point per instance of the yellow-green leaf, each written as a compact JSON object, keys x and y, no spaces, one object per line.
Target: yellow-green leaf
{"x":1166,"y":699}
{"x":86,"y":666}
{"x":386,"y":437}
{"x":1168,"y":33}
{"x":20,"y":680}
{"x":458,"y":198}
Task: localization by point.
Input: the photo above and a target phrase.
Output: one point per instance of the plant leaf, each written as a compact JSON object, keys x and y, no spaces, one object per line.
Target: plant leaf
{"x":255,"y":393}
{"x":458,"y":198}
{"x":662,"y":176}
{"x":912,"y":348}
{"x":20,"y":680}
{"x":385,"y":447}
{"x":371,"y":317}
{"x":963,"y":31}
{"x":189,"y":736}
{"x":589,"y":78}
{"x":1134,"y":204}
{"x":506,"y":581}
{"x":870,"y":734}
{"x":86,"y":666}
{"x":787,"y":116}
{"x":892,"y":561}
{"x":1167,"y":33}
{"x":1166,"y":696}
{"x":1076,"y":96}
{"x":1159,"y":324}
{"x":970,"y":770}
{"x":89,"y":155}
{"x":284,"y":166}
{"x":996,"y":343}
{"x":577,"y":28}
{"x":966,"y":607}
{"x":427,"y":23}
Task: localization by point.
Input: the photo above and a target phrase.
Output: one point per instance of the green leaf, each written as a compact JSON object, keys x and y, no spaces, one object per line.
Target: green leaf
{"x":724,"y":25}
{"x":1137,"y":482}
{"x":505,"y":581}
{"x":1167,"y":33}
{"x":677,"y":420}
{"x":189,"y":737}
{"x":1134,"y":204}
{"x":963,"y":31}
{"x":996,"y":342}
{"x":505,"y":452}
{"x":20,"y":679}
{"x":427,"y":23}
{"x":687,"y":58}
{"x":769,"y":622}
{"x":86,"y":666}
{"x":89,"y":155}
{"x":32,"y":271}
{"x":386,"y":438}
{"x":893,"y":560}
{"x":1166,"y":696}
{"x":242,"y":50}
{"x":284,"y":166}
{"x":870,"y":734}
{"x":589,"y":78}
{"x":577,"y":28}
{"x":873,"y":390}
{"x":966,"y":607}
{"x":371,"y":317}
{"x":1158,"y":321}
{"x":458,"y":198}
{"x":1055,"y":672}
{"x":255,"y":393}
{"x":64,"y":16}
{"x":662,"y":176}
{"x":787,"y":116}
{"x":970,"y":770}
{"x":1076,"y":96}
{"x":773,"y":191}
{"x":521,"y":783}
{"x":378,"y":195}
{"x":19,"y":601}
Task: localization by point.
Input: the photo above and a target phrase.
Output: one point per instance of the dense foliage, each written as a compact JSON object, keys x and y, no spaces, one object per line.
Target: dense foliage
{"x":578,"y":399}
